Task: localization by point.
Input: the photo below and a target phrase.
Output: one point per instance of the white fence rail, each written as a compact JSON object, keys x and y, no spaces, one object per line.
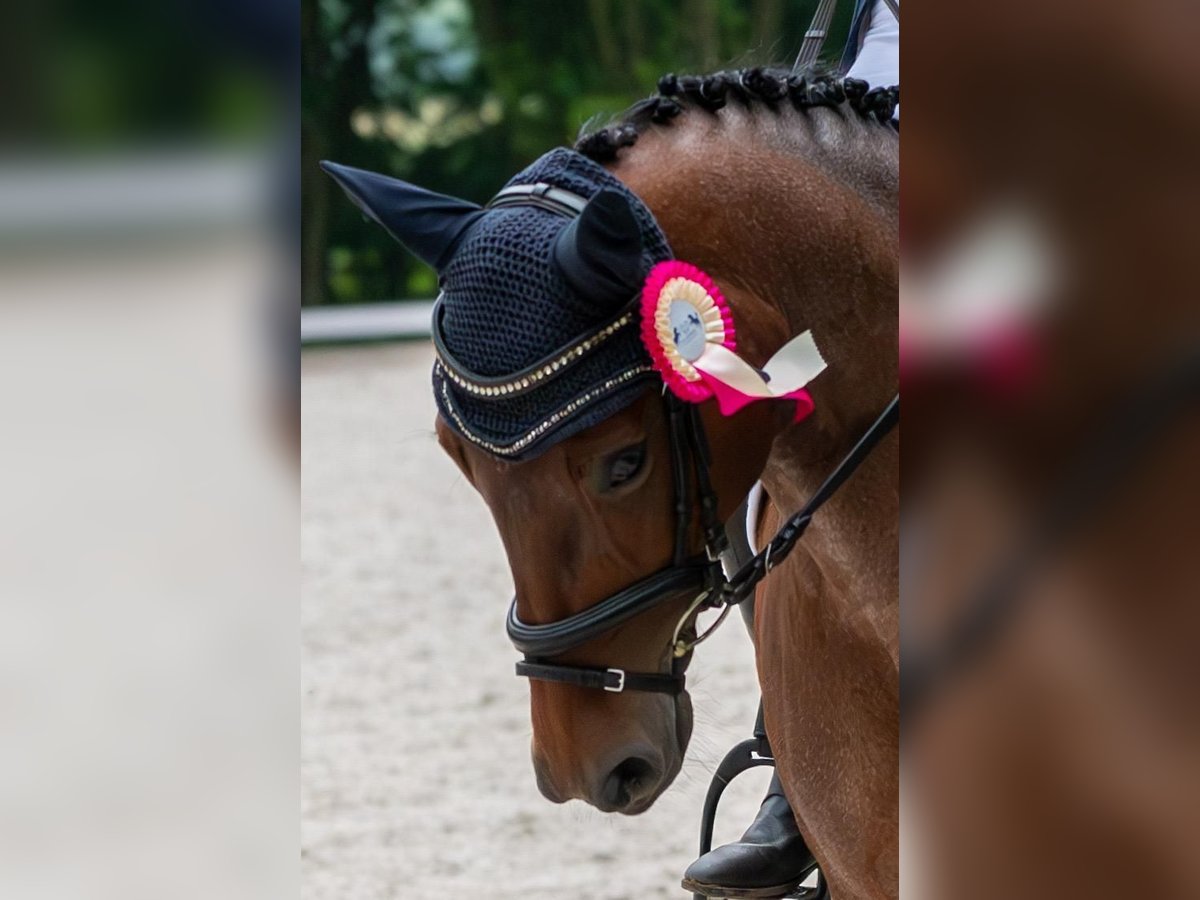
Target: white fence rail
{"x":44,"y":199}
{"x":391,"y":320}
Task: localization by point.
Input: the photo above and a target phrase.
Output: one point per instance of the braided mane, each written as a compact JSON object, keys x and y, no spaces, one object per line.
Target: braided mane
{"x":769,"y":87}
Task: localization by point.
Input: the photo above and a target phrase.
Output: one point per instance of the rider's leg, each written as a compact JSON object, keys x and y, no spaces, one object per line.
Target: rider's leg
{"x":769,"y":861}
{"x":771,"y":858}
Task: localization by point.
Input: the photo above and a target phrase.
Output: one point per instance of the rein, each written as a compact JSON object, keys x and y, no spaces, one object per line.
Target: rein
{"x":742,"y":584}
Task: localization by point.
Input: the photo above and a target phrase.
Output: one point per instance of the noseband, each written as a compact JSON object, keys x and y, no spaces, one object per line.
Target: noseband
{"x":700,"y":576}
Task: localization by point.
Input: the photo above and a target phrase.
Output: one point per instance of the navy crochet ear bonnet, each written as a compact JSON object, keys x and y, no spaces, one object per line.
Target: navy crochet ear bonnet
{"x":536,"y":326}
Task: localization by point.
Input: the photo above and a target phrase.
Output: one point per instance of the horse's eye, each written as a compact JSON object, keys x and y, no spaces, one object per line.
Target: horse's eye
{"x":623,"y":466}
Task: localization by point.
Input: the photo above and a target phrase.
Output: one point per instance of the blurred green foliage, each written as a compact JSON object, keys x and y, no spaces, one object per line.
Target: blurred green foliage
{"x":80,"y":77}
{"x":457,"y":95}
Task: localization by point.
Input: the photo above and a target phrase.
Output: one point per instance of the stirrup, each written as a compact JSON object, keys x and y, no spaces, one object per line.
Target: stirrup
{"x":749,"y":754}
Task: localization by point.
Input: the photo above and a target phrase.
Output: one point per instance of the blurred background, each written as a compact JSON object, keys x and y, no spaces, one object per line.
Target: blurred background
{"x":458,"y":95}
{"x":1050,"y":343}
{"x":148,"y":431}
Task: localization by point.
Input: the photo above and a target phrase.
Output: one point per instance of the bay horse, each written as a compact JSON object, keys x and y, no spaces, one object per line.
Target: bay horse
{"x":795,"y":213}
{"x":784,"y":189}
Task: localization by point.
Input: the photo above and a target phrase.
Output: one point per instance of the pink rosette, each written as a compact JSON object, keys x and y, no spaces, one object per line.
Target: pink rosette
{"x":707,"y":315}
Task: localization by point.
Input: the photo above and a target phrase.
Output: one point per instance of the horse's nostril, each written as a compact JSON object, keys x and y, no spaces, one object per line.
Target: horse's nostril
{"x":628,"y":782}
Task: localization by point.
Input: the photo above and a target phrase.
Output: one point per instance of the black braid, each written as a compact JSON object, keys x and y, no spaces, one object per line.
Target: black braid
{"x":820,"y":93}
{"x":879,"y":103}
{"x":712,"y":92}
{"x":763,"y":84}
{"x":855,"y":89}
{"x":689,"y":86}
{"x":797,"y":86}
{"x":676,"y":93}
{"x":735,"y":87}
{"x":602,"y":145}
{"x":665,"y":109}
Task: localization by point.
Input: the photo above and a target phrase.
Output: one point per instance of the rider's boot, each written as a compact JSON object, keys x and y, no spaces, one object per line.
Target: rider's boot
{"x":770,"y":860}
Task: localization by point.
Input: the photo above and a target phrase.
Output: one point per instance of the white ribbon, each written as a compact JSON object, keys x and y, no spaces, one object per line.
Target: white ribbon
{"x":796,"y":364}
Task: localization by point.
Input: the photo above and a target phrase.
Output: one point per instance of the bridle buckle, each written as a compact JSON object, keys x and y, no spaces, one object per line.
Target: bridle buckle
{"x":620,"y":686}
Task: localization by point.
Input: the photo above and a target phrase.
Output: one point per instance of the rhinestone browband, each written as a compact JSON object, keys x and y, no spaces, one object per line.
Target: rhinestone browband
{"x":518,"y":445}
{"x":530,"y":377}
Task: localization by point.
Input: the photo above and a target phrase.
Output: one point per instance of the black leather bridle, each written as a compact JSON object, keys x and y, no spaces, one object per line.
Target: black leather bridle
{"x":702,"y":574}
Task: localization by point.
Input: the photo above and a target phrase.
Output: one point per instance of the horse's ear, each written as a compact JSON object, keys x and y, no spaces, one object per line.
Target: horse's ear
{"x":600,"y":252}
{"x":430,"y":225}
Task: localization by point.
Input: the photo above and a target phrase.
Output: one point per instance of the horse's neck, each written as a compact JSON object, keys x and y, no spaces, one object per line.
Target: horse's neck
{"x":796,"y":248}
{"x":849,"y":301}
{"x":799,"y":240}
{"x":797,"y":244}
{"x":801,"y":246}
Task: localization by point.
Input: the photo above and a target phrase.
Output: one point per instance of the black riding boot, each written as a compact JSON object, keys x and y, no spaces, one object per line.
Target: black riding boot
{"x":770,"y":860}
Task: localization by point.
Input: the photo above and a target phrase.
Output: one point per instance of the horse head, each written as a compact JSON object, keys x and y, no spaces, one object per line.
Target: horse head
{"x":584,"y":520}
{"x":607,"y":490}
{"x":590,"y":506}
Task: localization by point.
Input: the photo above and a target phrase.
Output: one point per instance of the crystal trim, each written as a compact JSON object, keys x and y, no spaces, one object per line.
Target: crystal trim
{"x":546,"y":424}
{"x":547,"y":368}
